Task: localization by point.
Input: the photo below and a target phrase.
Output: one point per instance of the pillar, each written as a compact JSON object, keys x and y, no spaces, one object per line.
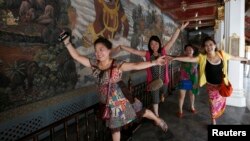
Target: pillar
{"x":234,"y":24}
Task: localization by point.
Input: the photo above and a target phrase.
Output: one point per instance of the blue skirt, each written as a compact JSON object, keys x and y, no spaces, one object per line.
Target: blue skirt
{"x":186,"y":85}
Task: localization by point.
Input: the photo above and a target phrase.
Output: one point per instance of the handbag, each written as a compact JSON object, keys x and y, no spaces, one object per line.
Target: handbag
{"x":156,"y":84}
{"x":107,"y":111}
{"x":225,"y":90}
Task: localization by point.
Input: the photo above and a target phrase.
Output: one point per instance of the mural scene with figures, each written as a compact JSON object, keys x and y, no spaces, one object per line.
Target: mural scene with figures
{"x":34,"y":65}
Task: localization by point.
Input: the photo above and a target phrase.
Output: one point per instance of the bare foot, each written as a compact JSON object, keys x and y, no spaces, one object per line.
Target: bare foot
{"x":213,"y":121}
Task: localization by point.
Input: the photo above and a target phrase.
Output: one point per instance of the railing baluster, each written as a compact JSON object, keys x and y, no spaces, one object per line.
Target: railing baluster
{"x":87,"y":126}
{"x":52,"y":134}
{"x":96,"y":137}
{"x":35,"y":138}
{"x":65,"y":130}
{"x":77,"y":128}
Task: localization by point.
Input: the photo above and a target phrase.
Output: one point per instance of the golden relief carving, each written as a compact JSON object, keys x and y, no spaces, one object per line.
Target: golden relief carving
{"x":110,"y":22}
{"x":217,"y":22}
{"x":110,"y":15}
{"x":221,"y":13}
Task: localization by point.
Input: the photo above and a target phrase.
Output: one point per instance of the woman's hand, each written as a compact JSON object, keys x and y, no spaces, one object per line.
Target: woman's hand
{"x":115,"y":51}
{"x":66,"y":41}
{"x":184,"y":25}
{"x":169,"y":58}
{"x":161,"y":60}
{"x":195,"y":86}
{"x":120,"y":47}
{"x":245,"y":61}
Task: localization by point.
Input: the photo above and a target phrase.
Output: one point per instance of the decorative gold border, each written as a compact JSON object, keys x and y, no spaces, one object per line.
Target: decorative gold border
{"x":220,"y":13}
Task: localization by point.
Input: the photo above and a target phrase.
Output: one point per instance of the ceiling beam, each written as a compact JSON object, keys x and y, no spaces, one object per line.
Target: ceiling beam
{"x":191,"y":6}
{"x":201,"y":25}
{"x":209,"y":17}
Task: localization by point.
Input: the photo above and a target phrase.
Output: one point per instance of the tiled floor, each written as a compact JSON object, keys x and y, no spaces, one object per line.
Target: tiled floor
{"x":192,"y":127}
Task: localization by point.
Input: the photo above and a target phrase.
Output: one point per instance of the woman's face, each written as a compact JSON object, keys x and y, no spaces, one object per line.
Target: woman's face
{"x":101,"y":52}
{"x":189,"y":51}
{"x":154,"y":46}
{"x":209,"y":46}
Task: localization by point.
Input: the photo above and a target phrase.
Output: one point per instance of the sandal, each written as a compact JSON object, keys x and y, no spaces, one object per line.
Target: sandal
{"x":193,"y":111}
{"x":179,"y":115}
{"x":163,"y":125}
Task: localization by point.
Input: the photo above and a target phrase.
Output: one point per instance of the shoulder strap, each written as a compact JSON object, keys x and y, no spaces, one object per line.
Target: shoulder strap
{"x":222,"y":63}
{"x":109,"y":84}
{"x":221,"y":54}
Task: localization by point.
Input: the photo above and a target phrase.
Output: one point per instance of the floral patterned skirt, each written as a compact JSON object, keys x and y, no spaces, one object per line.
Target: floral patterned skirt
{"x":216,"y":101}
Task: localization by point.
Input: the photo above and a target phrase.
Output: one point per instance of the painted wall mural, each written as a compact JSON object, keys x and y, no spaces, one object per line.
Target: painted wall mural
{"x":35,"y":66}
{"x":109,"y":19}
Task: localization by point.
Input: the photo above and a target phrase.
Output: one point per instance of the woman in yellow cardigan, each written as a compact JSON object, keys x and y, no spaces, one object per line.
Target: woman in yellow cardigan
{"x":212,"y":67}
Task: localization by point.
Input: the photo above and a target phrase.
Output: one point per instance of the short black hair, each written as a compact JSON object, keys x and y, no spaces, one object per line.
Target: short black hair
{"x":104,"y":41}
{"x":157,"y":39}
{"x":188,"y":45}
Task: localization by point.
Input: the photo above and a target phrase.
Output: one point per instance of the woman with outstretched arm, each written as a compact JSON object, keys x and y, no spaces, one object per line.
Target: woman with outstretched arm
{"x":122,"y":111}
{"x":155,"y":50}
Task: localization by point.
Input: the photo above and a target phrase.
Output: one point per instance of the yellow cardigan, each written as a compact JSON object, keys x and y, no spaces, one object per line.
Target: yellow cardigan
{"x":202,"y":59}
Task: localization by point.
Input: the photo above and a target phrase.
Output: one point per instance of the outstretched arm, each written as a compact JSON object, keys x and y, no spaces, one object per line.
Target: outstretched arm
{"x":242,"y":59}
{"x":170,"y":43}
{"x":237,"y":58}
{"x":186,"y":59}
{"x":73,"y":52}
{"x":142,"y":65}
{"x":141,"y":53}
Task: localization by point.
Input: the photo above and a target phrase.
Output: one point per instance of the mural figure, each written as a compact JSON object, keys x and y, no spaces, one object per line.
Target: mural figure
{"x":110,"y":19}
{"x":37,"y":11}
